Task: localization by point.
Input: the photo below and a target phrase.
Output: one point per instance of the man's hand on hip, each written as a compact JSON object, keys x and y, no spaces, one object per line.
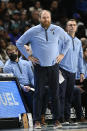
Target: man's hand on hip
{"x":33,"y":60}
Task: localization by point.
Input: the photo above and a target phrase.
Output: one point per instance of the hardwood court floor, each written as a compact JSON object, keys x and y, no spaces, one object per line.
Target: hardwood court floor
{"x":85,"y":129}
{"x":72,"y":127}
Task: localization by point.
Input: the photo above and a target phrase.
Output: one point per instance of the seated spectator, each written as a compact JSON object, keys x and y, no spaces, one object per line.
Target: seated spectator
{"x":81,"y":31}
{"x":37,"y":6}
{"x":81,"y":6}
{"x":2,"y":9}
{"x":24,"y":21}
{"x":1,"y":31}
{"x":6,"y":21}
{"x":11,"y":6}
{"x":78,"y":18}
{"x":4,"y":34}
{"x":1,"y":22}
{"x":54,"y":6}
{"x":27,"y":26}
{"x":15,"y":34}
{"x":3,"y":54}
{"x":84,"y":42}
{"x":19,"y":5}
{"x":20,"y":69}
{"x":34,"y":20}
{"x":77,"y":104}
{"x":16,"y":17}
{"x":84,"y":92}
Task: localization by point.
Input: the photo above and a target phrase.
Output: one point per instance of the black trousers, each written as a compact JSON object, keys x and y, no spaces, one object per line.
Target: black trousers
{"x":41,"y":74}
{"x":66,"y":93}
{"x":84,"y":102}
{"x":28,"y":97}
{"x":76,"y":103}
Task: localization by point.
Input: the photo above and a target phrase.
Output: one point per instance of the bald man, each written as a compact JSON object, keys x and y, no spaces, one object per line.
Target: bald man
{"x":45,"y":56}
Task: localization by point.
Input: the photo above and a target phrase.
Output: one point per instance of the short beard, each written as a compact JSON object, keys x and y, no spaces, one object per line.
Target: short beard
{"x":45,"y":25}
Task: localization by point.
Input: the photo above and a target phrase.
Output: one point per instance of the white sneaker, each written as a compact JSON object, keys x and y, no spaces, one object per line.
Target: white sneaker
{"x":57,"y":125}
{"x":37,"y":125}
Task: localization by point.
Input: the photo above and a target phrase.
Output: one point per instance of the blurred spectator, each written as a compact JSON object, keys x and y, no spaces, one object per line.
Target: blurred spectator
{"x":27,"y":27}
{"x":69,"y":6}
{"x":1,"y":32}
{"x":16,"y":17}
{"x":1,"y":22}
{"x":85,"y":60}
{"x":2,"y":9}
{"x":81,"y":6}
{"x":5,"y":0}
{"x":23,"y":21}
{"x":4,"y":34}
{"x":62,"y":21}
{"x":34,"y":20}
{"x":84,"y":84}
{"x":7,"y":21}
{"x":81,"y":31}
{"x":15,"y":34}
{"x":54,"y":10}
{"x":77,"y":104}
{"x":3,"y":54}
{"x":11,"y":7}
{"x":46,"y":3}
{"x":78,"y":18}
{"x":84,"y":42}
{"x":19,"y":5}
{"x":37,"y":6}
{"x":28,"y":3}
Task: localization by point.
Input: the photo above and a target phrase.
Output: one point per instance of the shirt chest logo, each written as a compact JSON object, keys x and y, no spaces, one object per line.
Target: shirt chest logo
{"x":52,"y":30}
